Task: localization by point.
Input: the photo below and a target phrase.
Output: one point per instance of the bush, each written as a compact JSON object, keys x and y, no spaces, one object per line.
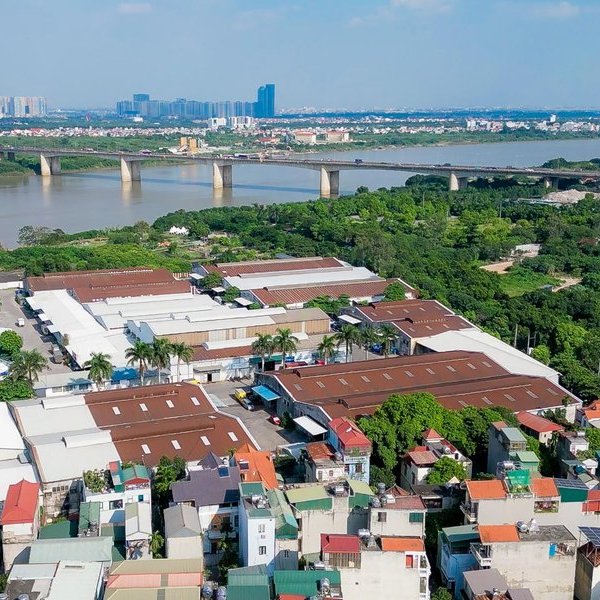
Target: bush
{"x":10,"y":342}
{"x":15,"y":390}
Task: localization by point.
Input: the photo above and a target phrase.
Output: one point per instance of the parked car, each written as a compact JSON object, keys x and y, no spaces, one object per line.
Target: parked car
{"x":275,"y":420}
{"x":20,"y":322}
{"x":239,"y":394}
{"x":247,"y":404}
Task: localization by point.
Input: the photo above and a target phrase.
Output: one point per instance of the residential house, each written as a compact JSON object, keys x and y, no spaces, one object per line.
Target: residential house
{"x":86,"y":549}
{"x":155,"y":579}
{"x":503,"y":445}
{"x":589,"y":416}
{"x":538,"y":427}
{"x":525,"y":555}
{"x":454,"y":556}
{"x":212,"y":488}
{"x":572,"y":449}
{"x":587,"y":575}
{"x":183,"y":532}
{"x":353,"y":445}
{"x":256,"y":466}
{"x":20,"y":521}
{"x":341,"y":507}
{"x":322,"y":463}
{"x":293,"y":585}
{"x":438,"y":497}
{"x":268,"y":530}
{"x":394,"y":513}
{"x":116,"y":487}
{"x":481,"y":585}
{"x":248,"y":582}
{"x":378,"y":567}
{"x":138,"y":530}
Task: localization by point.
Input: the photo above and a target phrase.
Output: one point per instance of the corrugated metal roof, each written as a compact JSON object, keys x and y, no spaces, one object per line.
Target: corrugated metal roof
{"x":181,"y":521}
{"x":88,"y":549}
{"x":303,"y":582}
{"x":306,"y":494}
{"x":165,"y":565}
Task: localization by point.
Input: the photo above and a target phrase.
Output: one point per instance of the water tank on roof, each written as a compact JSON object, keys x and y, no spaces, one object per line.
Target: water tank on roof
{"x":324,"y":585}
{"x":364,"y":533}
{"x":207,"y":590}
{"x":381,"y":487}
{"x":375,"y":503}
{"x":221,"y":592}
{"x":339,"y":490}
{"x":319,"y":565}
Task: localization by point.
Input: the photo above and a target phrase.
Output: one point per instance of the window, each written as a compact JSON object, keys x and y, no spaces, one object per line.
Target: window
{"x":145,"y":449}
{"x":195,"y":401}
{"x":114,"y":504}
{"x":143,"y":407}
{"x":232,"y":436}
{"x":262,"y":550}
{"x":415,"y":517}
{"x":381,"y":517}
{"x":261,"y":528}
{"x":236,"y":521}
{"x":286,"y":554}
{"x":176,"y":444}
{"x":116,"y":410}
{"x":140,"y":498}
{"x":358,"y":468}
{"x":170,"y":404}
{"x":205,"y":440}
{"x":409,"y":561}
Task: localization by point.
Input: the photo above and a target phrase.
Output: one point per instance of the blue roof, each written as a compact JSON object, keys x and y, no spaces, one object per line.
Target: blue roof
{"x":265,"y":393}
{"x":124,"y":373}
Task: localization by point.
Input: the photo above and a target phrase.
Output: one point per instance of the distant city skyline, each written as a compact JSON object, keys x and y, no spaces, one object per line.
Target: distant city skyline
{"x":341,"y":54}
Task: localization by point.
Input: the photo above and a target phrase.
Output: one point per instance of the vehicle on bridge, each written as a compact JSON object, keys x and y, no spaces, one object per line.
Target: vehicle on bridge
{"x":358,"y":161}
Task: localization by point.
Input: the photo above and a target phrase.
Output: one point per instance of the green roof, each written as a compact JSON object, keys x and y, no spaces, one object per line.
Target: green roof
{"x":360,"y":487}
{"x":526,"y":456}
{"x":61,"y":530}
{"x":513,"y":434}
{"x":89,"y":513}
{"x":461,"y":533}
{"x":286,"y":525}
{"x":306,"y":494}
{"x":135,"y":472}
{"x":304,"y":583}
{"x":251,"y":488}
{"x":117,"y":532}
{"x":86,"y":549}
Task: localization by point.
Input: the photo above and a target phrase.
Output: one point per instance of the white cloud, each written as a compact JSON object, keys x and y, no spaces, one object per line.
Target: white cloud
{"x":392,"y":9}
{"x":424,"y":5}
{"x":134,"y":8}
{"x":556,"y":10}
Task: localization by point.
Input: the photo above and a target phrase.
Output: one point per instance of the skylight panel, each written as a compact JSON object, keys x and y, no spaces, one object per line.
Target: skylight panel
{"x":143,"y":407}
{"x":485,"y":363}
{"x":320,"y":384}
{"x":365,"y":379}
{"x":463,"y":403}
{"x":532,"y":394}
{"x":298,"y":387}
{"x":343,"y":381}
{"x":509,"y":397}
{"x":451,"y":368}
{"x":430,"y":371}
{"x":552,"y":391}
{"x":471,"y":366}
{"x":487,"y":400}
{"x":195,"y":401}
{"x":116,"y":410}
{"x":387,"y":376}
{"x":176,"y":444}
{"x":170,"y":404}
{"x":232,"y":436}
{"x":205,"y":440}
{"x":145,"y":449}
{"x":409,"y":373}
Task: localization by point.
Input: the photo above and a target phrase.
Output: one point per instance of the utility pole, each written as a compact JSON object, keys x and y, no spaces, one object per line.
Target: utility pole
{"x":516,"y":332}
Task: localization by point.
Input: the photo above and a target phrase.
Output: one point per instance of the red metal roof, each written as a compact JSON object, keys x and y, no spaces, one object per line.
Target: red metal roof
{"x":402,"y":544}
{"x":486,"y":490}
{"x":174,"y":419}
{"x":491,"y":534}
{"x":370,"y":288}
{"x":537,"y":424}
{"x":333,"y":543}
{"x":431,"y":435}
{"x":274,"y":266}
{"x":349,"y":433}
{"x":89,"y":286}
{"x":256,"y":465}
{"x":544,"y":487}
{"x":21,"y":503}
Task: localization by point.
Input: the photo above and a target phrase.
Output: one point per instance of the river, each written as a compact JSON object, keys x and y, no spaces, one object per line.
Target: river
{"x":97,"y":199}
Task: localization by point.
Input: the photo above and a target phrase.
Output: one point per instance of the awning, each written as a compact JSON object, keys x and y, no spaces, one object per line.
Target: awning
{"x":218,"y":290}
{"x":42,"y":317}
{"x":52,"y":328}
{"x":195,"y":276}
{"x":349,"y":319}
{"x":267,"y":394}
{"x":310,"y":426}
{"x":243,"y":302}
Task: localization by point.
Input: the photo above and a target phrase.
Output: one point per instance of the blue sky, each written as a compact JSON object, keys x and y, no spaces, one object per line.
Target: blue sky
{"x":322,"y":53}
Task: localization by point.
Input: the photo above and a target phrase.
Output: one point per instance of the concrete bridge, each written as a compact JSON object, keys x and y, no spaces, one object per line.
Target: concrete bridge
{"x":329,"y":170}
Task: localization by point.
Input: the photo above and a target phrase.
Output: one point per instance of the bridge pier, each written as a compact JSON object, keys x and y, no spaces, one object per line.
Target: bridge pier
{"x":551,"y":182}
{"x":222,"y":176}
{"x":10,"y":156}
{"x":50,"y":165}
{"x":457,"y":183}
{"x":130,"y":170}
{"x":330,"y":183}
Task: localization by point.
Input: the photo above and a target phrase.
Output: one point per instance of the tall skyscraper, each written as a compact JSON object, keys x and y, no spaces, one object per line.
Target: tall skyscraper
{"x":22,"y":106}
{"x":141,"y":97}
{"x":265,"y":102}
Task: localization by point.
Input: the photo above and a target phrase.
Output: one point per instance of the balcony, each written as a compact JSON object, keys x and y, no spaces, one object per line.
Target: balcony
{"x":470,"y":511}
{"x":482,"y":554}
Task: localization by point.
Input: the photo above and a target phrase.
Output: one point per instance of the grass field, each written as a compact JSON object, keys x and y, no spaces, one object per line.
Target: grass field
{"x":518,"y":281}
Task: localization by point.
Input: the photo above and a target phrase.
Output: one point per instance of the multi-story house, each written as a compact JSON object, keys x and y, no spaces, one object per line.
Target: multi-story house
{"x":378,"y":566}
{"x":20,"y":521}
{"x":213,"y":489}
{"x":508,"y":444}
{"x":268,"y":531}
{"x":352,"y":445}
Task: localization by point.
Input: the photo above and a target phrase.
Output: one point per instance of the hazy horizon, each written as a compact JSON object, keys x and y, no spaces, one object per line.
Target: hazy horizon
{"x":340,"y":55}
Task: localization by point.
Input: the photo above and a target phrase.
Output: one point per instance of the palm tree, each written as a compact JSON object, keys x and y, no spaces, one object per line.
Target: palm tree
{"x":263,"y":346}
{"x":285,"y":342}
{"x":368,"y":336}
{"x":140,"y":354}
{"x":160,"y":354}
{"x":28,"y":364}
{"x":100,"y":367}
{"x":156,"y":544}
{"x":388,"y":334}
{"x":327,"y":348}
{"x":348,"y":335}
{"x":183,"y":353}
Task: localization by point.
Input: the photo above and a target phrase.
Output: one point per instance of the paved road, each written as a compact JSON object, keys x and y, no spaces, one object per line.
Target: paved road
{"x":267,"y":435}
{"x":10,"y":311}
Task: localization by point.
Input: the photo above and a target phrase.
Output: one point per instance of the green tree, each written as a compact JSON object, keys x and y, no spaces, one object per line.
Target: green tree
{"x":348,"y":335}
{"x":139,"y":354}
{"x":160,"y":355}
{"x":28,"y":364}
{"x":212,"y":280}
{"x":441,"y":594}
{"x":231,"y":293}
{"x":285,"y":342}
{"x":227,"y":551}
{"x":388,"y":335}
{"x":263,"y":346}
{"x":183,"y":353}
{"x":327,"y":349}
{"x":157,"y":542}
{"x":100,"y":367}
{"x":15,"y":390}
{"x":368,"y":337}
{"x":10,"y":342}
{"x":168,"y":471}
{"x":446,"y":469}
{"x":395,"y":291}
{"x":542,"y":353}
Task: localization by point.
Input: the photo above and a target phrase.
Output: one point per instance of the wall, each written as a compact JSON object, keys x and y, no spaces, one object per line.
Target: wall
{"x":527,"y":564}
{"x":385,"y":575}
{"x":185,"y":547}
{"x":397,"y":522}
{"x":257,"y":538}
{"x":211,"y":515}
{"x":117,"y":515}
{"x":287,"y":554}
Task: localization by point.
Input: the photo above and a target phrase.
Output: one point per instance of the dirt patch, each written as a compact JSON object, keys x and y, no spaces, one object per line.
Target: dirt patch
{"x":499,"y":267}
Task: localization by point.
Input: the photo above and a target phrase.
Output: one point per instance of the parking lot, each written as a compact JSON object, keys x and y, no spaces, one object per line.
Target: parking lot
{"x":267,"y":435}
{"x":10,"y":312}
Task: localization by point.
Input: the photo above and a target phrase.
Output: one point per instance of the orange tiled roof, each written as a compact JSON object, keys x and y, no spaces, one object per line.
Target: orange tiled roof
{"x":490,"y":534}
{"x":486,"y":490}
{"x":402,"y":544}
{"x":260,"y":466}
{"x":544,"y":487}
